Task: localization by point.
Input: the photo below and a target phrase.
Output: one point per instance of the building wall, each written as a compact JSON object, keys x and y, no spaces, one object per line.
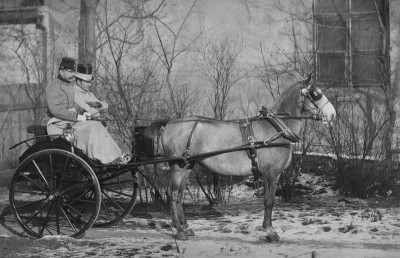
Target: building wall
{"x":269,"y":25}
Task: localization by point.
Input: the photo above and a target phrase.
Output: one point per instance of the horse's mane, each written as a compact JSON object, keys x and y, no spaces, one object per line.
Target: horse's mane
{"x":289,"y":100}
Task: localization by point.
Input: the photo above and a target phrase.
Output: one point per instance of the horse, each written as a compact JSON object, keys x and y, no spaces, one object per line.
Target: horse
{"x":198,"y":135}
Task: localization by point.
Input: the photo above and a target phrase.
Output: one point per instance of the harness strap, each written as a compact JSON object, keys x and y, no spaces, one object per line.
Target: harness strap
{"x":246,"y":128}
{"x":279,"y":125}
{"x":186,"y":153}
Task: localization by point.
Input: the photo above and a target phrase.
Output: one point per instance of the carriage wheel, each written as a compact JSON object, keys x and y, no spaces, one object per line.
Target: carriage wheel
{"x":55,"y":192}
{"x":119,"y":191}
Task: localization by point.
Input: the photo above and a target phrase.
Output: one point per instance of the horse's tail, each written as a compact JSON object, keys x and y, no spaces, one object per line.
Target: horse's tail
{"x":153,"y":130}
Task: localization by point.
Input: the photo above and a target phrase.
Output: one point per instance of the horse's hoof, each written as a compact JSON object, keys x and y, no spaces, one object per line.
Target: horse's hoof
{"x":270,"y":238}
{"x":189,"y":232}
{"x":181,"y":236}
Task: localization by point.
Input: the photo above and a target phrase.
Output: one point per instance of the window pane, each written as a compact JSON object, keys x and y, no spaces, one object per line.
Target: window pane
{"x":365,"y":33}
{"x":331,"y":67}
{"x":366,"y":68}
{"x":331,"y":6}
{"x":365,"y":5}
{"x":331,"y":34}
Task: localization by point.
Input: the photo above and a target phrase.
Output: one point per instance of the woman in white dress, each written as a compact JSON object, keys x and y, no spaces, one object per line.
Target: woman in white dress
{"x":91,"y":136}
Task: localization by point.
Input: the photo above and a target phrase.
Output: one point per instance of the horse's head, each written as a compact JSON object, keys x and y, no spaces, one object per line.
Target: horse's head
{"x":314,"y":101}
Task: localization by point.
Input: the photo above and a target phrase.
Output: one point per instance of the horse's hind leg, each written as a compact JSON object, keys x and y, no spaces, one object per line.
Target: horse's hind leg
{"x":269,"y":197}
{"x":177,"y":184}
{"x":181,"y":212}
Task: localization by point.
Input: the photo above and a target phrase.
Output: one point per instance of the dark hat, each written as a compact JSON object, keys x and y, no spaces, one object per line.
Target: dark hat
{"x":84,"y":72}
{"x":67,"y":63}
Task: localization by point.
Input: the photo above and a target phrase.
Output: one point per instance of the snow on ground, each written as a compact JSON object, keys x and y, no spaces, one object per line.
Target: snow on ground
{"x":315,"y":225}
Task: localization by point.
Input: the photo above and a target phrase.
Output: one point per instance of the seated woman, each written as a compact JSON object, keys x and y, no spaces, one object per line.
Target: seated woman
{"x":91,"y":136}
{"x":83,"y":96}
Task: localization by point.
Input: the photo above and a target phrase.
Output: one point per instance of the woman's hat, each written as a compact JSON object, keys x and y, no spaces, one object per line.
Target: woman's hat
{"x":84,"y":72}
{"x":68,"y":63}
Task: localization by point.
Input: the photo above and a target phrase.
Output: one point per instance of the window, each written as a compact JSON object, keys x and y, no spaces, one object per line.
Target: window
{"x":350,"y":38}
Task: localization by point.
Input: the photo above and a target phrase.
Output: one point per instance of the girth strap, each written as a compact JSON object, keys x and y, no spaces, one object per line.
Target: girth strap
{"x":246,"y":128}
{"x":186,"y":153}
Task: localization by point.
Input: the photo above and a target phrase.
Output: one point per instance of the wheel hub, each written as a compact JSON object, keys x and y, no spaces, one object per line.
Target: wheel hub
{"x":53,"y":196}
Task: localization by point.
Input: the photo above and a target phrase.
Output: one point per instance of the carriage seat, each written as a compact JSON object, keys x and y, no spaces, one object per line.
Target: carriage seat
{"x":37,"y":130}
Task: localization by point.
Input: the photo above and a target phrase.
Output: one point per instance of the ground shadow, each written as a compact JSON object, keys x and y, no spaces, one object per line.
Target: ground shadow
{"x":163,"y":211}
{"x":8,"y":222}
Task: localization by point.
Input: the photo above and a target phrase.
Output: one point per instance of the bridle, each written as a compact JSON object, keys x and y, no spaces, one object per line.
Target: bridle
{"x":307,"y":92}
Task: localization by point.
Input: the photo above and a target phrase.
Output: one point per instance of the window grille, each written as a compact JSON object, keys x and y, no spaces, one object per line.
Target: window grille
{"x":350,"y":42}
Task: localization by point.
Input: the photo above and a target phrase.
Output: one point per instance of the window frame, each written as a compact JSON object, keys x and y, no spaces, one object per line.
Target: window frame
{"x":348,"y":17}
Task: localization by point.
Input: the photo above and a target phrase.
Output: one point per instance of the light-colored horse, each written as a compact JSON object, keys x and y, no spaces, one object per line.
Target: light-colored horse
{"x":183,"y":136}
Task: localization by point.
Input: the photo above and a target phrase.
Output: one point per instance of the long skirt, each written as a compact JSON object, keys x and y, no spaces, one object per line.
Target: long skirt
{"x":91,"y":137}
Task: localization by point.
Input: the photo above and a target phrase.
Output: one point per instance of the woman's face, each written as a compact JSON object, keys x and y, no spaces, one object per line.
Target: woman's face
{"x":85,"y":85}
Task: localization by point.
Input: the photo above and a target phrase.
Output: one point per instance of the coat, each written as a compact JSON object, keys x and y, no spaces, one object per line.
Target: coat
{"x":60,"y":100}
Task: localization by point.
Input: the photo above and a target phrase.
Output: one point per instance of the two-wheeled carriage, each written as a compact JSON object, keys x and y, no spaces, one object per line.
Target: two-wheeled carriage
{"x":58,"y":190}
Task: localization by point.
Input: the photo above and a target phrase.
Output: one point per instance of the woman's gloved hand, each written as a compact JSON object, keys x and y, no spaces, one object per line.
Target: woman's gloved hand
{"x":94,"y":104}
{"x":84,"y":117}
{"x":81,"y":118}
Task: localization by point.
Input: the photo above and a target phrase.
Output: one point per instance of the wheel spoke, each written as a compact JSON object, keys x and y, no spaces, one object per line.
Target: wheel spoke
{"x":78,"y":212}
{"x":66,"y":217}
{"x":33,"y":192}
{"x":34,"y":182}
{"x":37,"y":212}
{"x":74,"y":188}
{"x":29,"y":204}
{"x":59,"y":181}
{"x":106,"y":209}
{"x":41,"y":174}
{"x":40,"y":233}
{"x":58,"y":221}
{"x":120,"y":193}
{"x":52,"y":172}
{"x":82,"y":200}
{"x":116,"y":204}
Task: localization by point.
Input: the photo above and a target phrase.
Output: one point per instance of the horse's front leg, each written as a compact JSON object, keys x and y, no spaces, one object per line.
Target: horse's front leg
{"x":269,"y":197}
{"x":176,"y":186}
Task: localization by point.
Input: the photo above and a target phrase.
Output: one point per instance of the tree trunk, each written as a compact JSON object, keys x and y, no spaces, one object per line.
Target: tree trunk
{"x":87,"y":32}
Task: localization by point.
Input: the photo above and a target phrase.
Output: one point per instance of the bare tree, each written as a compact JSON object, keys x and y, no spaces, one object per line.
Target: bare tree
{"x":180,"y":95}
{"x":128,"y":72}
{"x":29,"y":50}
{"x":220,"y":68}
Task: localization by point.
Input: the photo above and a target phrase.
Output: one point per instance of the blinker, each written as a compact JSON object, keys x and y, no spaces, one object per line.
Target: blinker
{"x":316,"y":93}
